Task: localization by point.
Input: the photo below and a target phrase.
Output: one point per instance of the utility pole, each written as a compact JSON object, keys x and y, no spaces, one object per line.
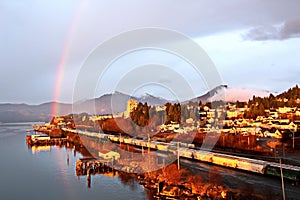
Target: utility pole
{"x":248,"y":142}
{"x":282,"y":181}
{"x":178,"y":156}
{"x":293,"y":139}
{"x":148,"y":143}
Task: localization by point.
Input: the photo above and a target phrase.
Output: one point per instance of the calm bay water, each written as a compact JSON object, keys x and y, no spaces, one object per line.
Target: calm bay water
{"x":47,"y":175}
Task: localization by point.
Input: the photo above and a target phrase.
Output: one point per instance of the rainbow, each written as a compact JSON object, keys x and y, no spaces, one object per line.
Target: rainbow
{"x":64,"y":56}
{"x":59,"y":78}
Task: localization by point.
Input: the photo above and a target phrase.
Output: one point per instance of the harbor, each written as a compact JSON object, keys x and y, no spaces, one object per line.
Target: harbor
{"x":187,"y":151}
{"x":91,"y":166}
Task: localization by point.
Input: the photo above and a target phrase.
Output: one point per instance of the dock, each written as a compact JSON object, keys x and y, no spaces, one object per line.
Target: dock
{"x":45,"y":140}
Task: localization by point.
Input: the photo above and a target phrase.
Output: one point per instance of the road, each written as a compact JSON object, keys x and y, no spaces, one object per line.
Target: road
{"x":236,"y":179}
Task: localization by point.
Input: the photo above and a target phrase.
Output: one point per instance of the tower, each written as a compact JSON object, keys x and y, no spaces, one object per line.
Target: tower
{"x":131,"y":105}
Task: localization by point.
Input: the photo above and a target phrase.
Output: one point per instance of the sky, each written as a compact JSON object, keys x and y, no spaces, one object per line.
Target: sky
{"x":44,"y":44}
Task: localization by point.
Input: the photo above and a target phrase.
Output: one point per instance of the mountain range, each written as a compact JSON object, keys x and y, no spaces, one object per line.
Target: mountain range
{"x":106,"y":104}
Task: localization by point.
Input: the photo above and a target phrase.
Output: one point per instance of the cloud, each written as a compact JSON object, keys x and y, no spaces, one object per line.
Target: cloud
{"x":291,"y":28}
{"x":270,"y":65}
{"x":34,"y":34}
{"x":288,"y":29}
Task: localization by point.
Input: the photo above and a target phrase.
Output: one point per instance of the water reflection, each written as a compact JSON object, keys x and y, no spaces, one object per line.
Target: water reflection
{"x":46,"y":175}
{"x":89,"y":180}
{"x":37,"y":149}
{"x":191,"y":181}
{"x":68,"y":160}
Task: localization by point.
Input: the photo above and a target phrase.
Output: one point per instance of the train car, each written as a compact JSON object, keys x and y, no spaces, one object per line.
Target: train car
{"x":105,"y":136}
{"x":186,"y":153}
{"x":133,"y":141}
{"x":204,"y":156}
{"x":224,"y":161}
{"x":172,"y":147}
{"x":144,"y":143}
{"x":113,"y":138}
{"x":101,"y":136}
{"x":252,"y":165}
{"x":138,"y":142}
{"x":162,"y":146}
{"x":288,"y":172}
{"x":89,"y":134}
{"x":236,"y":162}
{"x":127,"y":140}
{"x":153,"y":145}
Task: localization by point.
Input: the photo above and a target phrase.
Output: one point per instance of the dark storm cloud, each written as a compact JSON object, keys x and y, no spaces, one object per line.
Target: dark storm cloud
{"x":289,"y":29}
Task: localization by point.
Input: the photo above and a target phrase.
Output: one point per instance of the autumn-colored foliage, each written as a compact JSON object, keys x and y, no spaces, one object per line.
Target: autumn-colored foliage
{"x":172,"y":174}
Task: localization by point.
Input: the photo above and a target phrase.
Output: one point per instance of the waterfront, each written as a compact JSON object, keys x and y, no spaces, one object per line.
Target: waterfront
{"x":46,"y":174}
